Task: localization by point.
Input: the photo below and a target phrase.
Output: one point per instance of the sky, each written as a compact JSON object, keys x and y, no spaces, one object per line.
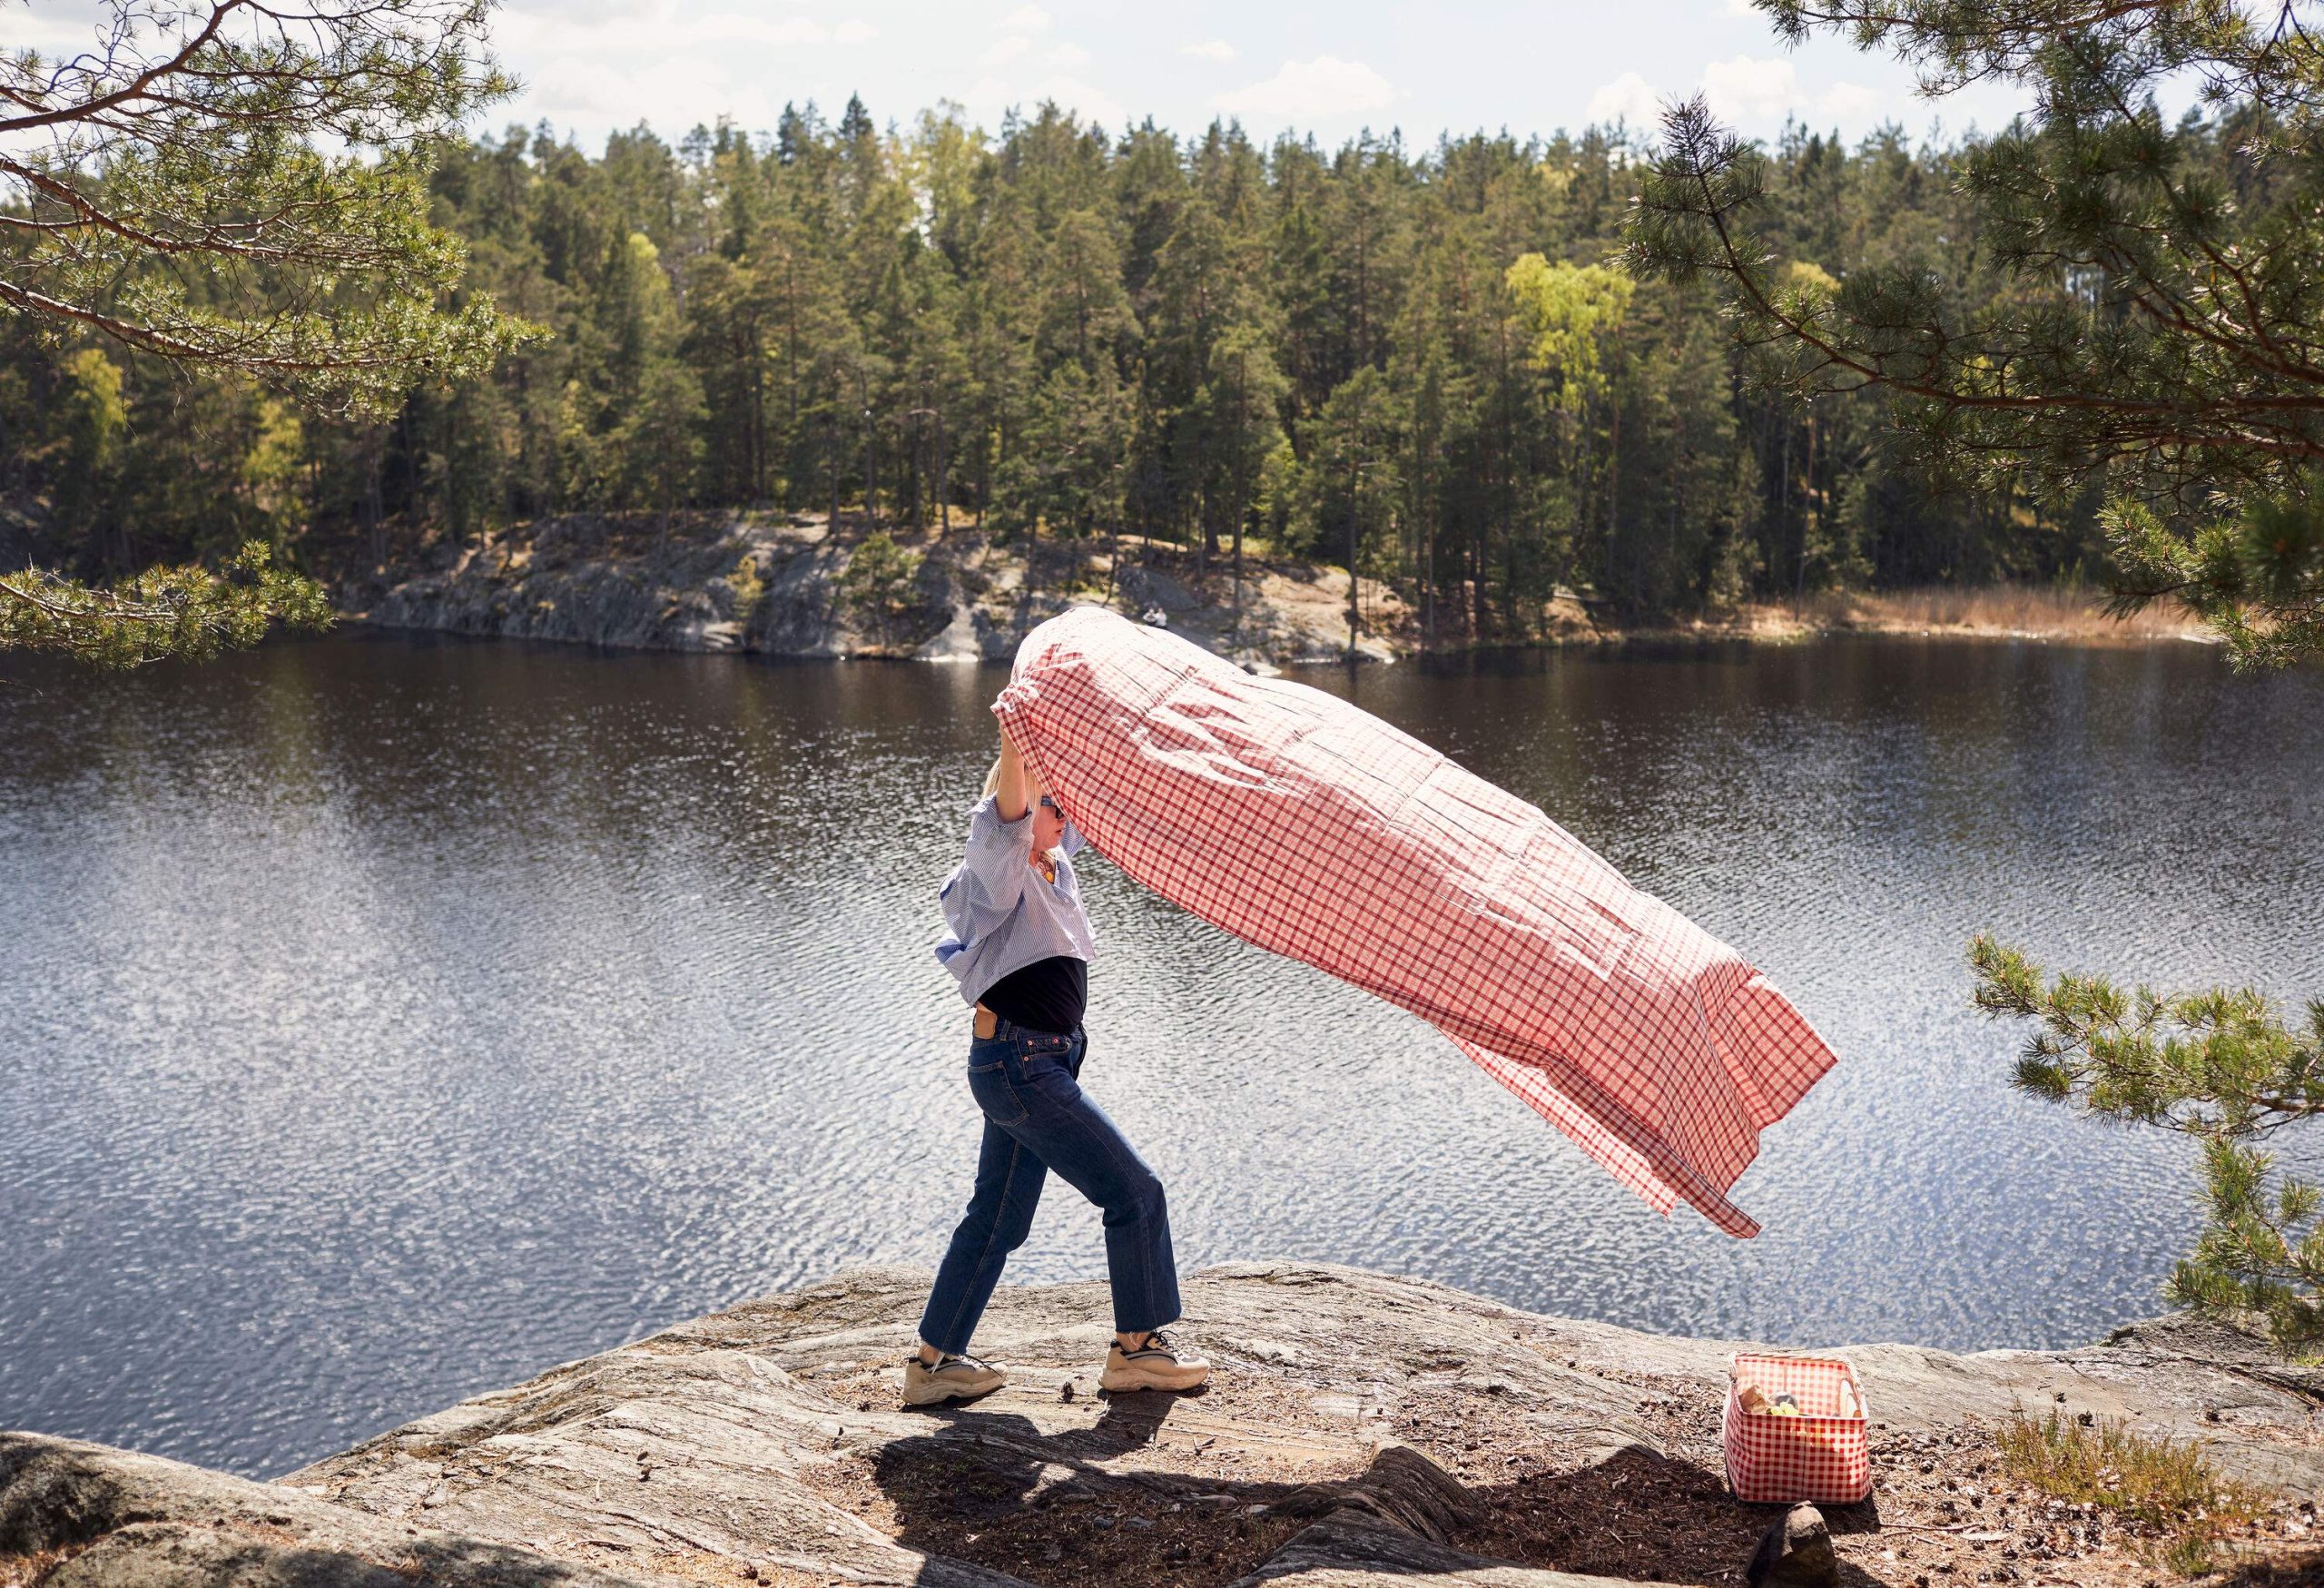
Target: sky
{"x":590,"y":66}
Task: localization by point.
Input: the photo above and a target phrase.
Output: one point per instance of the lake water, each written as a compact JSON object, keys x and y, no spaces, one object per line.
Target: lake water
{"x":383,"y":1020}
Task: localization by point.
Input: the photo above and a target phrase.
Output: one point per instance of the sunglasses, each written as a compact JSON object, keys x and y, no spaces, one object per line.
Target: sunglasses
{"x":1050,"y":803}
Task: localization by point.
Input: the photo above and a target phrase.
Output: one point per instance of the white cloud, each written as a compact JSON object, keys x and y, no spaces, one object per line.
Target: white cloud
{"x":56,"y":38}
{"x":1746,"y":89}
{"x":1092,"y":103}
{"x":1850,"y":102}
{"x":1628,"y":98}
{"x":668,"y":94}
{"x":663,"y":27}
{"x":1311,"y":91}
{"x":1209,"y":50}
{"x":989,"y":96}
{"x":1754,"y":91}
{"x":1026,"y":19}
{"x":1017,"y":47}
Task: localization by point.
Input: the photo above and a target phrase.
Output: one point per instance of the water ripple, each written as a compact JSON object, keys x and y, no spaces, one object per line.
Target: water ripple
{"x":390,"y":1020}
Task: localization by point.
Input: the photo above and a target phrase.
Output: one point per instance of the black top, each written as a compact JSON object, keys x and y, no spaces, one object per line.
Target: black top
{"x":1048,"y":995}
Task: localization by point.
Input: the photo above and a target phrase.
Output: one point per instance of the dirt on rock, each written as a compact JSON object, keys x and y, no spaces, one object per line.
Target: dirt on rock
{"x":1359,"y":1430}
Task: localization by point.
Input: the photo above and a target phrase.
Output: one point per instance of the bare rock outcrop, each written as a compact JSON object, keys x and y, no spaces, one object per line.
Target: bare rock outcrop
{"x":1361,"y":1431}
{"x":776,"y":584}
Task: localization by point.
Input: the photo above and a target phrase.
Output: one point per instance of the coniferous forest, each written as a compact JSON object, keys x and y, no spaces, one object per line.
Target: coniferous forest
{"x":1422,"y":360}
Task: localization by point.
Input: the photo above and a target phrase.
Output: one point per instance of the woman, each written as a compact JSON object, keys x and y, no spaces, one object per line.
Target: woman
{"x":1020,"y":945}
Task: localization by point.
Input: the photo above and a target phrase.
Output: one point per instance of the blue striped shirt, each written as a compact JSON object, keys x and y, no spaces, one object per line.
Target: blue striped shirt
{"x":1002,"y":913}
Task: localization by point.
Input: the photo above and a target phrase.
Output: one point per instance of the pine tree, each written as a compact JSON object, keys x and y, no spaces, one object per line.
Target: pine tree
{"x":241,"y":193}
{"x":2155,"y":344}
{"x":2163,"y":275}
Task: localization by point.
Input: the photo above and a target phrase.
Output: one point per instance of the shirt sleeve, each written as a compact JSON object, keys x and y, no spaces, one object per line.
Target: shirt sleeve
{"x":991,"y":879}
{"x":1072,"y":843}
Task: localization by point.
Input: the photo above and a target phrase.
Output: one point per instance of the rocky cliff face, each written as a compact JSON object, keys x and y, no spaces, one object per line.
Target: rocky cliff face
{"x":1359,"y":1431}
{"x":778,"y":584}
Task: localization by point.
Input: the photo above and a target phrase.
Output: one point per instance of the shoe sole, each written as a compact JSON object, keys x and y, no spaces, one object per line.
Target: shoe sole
{"x":936,"y":1394}
{"x":1141,"y":1378}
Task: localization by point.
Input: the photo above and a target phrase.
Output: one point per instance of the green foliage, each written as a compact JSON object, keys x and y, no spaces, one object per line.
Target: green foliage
{"x":89,"y":421}
{"x":1569,"y":311}
{"x":191,"y":612}
{"x":2257,"y":577}
{"x":748,"y":587}
{"x":243,"y":193}
{"x":878,"y":580}
{"x":1056,"y":332}
{"x":2137,"y":312}
{"x":2135,"y":316}
{"x":2222,"y":1067}
{"x":2167,"y":1487}
{"x":170,"y":191}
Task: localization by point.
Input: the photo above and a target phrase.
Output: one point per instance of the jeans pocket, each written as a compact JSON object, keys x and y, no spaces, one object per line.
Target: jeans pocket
{"x":996,"y":1094}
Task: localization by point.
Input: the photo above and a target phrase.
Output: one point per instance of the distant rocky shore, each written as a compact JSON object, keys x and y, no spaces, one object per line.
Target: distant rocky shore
{"x":783,"y":584}
{"x":1362,"y":1431}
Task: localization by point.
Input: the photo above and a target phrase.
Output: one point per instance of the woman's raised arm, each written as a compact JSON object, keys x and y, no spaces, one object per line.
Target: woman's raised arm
{"x":1010,"y":799}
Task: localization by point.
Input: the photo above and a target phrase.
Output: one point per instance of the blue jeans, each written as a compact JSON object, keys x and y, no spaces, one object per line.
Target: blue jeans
{"x":1036,"y":1119}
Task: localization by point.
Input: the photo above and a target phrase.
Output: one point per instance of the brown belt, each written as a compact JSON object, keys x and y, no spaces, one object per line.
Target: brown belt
{"x":988,"y":1022}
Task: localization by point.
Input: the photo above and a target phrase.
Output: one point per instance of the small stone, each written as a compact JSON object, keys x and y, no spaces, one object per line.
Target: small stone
{"x":751,"y":1570}
{"x":1065,"y":1392}
{"x":1138,"y":1522}
{"x":1102,"y":1524}
{"x":1796,"y":1552}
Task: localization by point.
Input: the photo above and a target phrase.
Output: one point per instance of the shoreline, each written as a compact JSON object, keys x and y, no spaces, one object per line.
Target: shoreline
{"x":785,"y":586}
{"x":1360,"y":1428}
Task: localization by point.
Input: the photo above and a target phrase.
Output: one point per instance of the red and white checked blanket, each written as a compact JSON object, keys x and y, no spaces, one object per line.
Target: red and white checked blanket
{"x":1308,"y":826}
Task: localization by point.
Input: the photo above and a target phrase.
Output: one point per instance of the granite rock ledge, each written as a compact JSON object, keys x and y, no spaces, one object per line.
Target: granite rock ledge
{"x":1363,"y":1431}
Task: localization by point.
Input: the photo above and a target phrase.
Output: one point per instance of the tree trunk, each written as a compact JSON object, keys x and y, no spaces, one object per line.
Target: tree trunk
{"x":1354,"y":527}
{"x":912,"y":471}
{"x":1808,"y":515}
{"x":375,"y":515}
{"x":1242,"y":506}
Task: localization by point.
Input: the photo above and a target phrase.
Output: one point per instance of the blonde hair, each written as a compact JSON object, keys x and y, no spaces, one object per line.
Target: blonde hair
{"x":993,"y":778}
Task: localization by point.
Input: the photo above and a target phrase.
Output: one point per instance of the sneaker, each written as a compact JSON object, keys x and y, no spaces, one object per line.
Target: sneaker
{"x":953,"y":1378}
{"x":1154,"y":1364}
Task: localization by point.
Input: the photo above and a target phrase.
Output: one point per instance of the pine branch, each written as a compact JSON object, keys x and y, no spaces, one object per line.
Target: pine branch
{"x":187,"y":613}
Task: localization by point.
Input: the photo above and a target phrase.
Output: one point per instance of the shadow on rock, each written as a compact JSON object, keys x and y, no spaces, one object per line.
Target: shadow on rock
{"x":992,"y":1489}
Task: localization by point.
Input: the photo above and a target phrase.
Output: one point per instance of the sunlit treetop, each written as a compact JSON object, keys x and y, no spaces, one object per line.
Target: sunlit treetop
{"x":2162,"y":332}
{"x":242,"y":188}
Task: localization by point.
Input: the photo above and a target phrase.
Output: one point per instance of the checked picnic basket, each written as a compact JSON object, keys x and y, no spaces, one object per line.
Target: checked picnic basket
{"x":1819,"y":1455}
